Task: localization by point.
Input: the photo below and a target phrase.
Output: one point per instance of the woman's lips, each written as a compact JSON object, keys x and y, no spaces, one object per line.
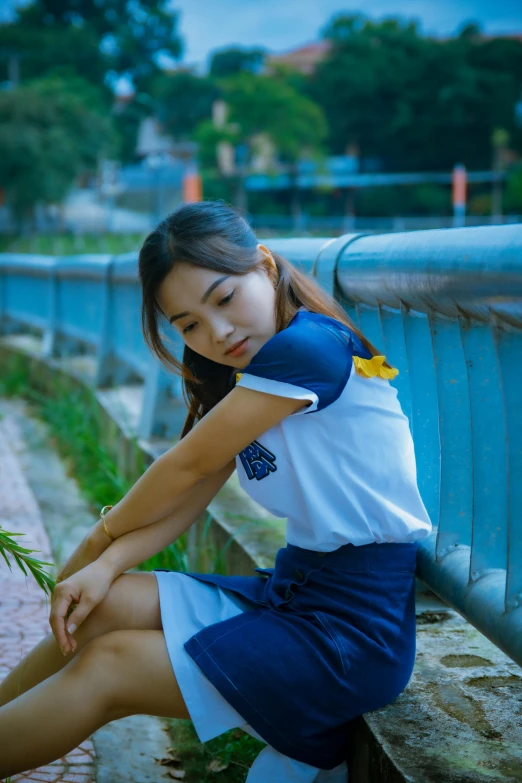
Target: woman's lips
{"x":240,"y":350}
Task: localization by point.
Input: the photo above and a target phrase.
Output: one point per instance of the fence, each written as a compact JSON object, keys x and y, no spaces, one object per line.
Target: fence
{"x":446,"y":309}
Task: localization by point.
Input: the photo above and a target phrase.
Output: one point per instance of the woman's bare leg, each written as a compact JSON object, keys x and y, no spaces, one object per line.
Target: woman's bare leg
{"x":132,"y":603}
{"x":118,"y":674}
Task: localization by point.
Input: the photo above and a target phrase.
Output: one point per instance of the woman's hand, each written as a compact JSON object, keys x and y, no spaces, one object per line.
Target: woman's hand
{"x":88,"y":550}
{"x":84,"y":590}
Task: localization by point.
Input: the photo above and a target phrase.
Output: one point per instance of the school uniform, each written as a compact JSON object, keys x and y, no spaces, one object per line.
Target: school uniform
{"x":294,"y":654}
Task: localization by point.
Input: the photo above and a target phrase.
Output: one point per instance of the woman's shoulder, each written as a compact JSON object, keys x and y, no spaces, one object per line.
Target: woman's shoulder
{"x":312,"y":337}
{"x":312,"y":352}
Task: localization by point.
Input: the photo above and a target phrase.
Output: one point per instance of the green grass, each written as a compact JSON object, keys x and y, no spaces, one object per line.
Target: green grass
{"x":70,"y":244}
{"x":226,"y":758}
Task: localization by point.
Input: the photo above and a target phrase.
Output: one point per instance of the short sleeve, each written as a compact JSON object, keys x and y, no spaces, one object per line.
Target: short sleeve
{"x":309,"y":360}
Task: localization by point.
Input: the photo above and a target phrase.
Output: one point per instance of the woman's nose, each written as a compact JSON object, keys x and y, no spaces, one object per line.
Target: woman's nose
{"x":221,"y":331}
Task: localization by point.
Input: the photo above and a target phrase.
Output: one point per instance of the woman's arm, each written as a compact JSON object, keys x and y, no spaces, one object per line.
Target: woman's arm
{"x":241,"y":417}
{"x":133,"y":548}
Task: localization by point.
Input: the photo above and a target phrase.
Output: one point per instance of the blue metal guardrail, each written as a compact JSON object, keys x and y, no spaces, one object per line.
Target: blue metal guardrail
{"x":312,"y":175}
{"x":444,"y":306}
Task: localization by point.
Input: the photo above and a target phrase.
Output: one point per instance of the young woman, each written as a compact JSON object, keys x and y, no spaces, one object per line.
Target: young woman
{"x":282,"y":386}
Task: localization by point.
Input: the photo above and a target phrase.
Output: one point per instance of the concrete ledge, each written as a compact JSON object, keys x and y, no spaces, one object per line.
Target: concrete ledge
{"x":458,"y":720}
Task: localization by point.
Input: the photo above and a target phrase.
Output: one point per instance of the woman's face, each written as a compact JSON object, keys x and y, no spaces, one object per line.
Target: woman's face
{"x":214,"y":310}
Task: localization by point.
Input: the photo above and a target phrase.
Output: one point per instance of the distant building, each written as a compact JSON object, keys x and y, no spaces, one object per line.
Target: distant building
{"x":151,"y":139}
{"x":509,"y":36}
{"x":304,"y":59}
{"x":153,"y":143}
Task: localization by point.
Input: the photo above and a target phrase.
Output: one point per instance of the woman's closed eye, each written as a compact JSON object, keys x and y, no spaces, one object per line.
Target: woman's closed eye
{"x":223,"y":301}
{"x":227,"y":299}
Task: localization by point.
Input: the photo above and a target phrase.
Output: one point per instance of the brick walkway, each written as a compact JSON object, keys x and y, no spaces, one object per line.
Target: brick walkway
{"x":24,"y":607}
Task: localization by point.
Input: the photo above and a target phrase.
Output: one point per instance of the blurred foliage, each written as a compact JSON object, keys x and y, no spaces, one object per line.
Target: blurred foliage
{"x":70,"y":244}
{"x":102,"y":40}
{"x":208,"y":136}
{"x":127,"y":117}
{"x":44,"y":48}
{"x":402,"y":99}
{"x":183,"y":100}
{"x":480,"y":204}
{"x":263,"y":104}
{"x":414,"y":102}
{"x":387,"y":201}
{"x":131,"y":32}
{"x":263,"y":109}
{"x":235,"y":59}
{"x":51,"y":130}
{"x":513,"y":194}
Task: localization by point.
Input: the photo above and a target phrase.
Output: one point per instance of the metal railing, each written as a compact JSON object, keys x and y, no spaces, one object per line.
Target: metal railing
{"x":444,"y":306}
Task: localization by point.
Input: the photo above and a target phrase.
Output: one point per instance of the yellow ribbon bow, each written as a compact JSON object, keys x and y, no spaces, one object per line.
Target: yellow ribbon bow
{"x":369,"y":368}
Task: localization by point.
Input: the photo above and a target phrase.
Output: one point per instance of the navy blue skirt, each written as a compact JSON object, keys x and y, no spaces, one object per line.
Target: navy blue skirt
{"x":329,"y":636}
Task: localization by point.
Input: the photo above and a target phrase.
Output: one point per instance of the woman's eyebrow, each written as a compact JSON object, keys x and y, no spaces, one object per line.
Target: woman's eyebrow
{"x":203,"y":298}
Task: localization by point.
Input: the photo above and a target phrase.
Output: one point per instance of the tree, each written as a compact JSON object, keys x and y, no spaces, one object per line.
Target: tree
{"x":50,"y":131}
{"x":99,"y":39}
{"x":365,"y":83}
{"x":208,"y":136}
{"x":416,"y":102}
{"x":261,"y":104}
{"x":124,"y":37}
{"x":183,"y":101}
{"x":265,"y":105}
{"x":45,"y":49}
{"x":128,"y":117}
{"x":234,"y":59}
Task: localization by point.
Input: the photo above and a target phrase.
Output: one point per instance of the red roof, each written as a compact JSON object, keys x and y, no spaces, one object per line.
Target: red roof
{"x":303,"y":58}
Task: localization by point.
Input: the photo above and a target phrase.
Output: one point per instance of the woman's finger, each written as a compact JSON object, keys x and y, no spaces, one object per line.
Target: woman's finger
{"x":74,"y":599}
{"x":78,"y":615}
{"x":72,"y":606}
{"x":59,"y":609}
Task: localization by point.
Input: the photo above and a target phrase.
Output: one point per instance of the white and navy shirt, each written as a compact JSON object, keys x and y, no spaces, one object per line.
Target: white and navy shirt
{"x":341,"y":470}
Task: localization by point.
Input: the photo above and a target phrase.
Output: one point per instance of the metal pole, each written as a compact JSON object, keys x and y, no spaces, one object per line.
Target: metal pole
{"x":499,"y":141}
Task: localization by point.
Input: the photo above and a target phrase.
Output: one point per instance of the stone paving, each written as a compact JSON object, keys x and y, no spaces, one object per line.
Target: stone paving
{"x":24,"y":607}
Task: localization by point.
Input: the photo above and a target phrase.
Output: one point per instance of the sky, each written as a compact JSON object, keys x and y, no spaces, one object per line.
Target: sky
{"x":281,"y":25}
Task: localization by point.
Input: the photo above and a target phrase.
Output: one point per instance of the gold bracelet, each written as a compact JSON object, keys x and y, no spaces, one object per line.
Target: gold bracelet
{"x":102,"y":516}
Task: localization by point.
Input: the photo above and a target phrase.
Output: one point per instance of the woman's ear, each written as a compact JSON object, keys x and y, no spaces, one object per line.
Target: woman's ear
{"x":269,"y":263}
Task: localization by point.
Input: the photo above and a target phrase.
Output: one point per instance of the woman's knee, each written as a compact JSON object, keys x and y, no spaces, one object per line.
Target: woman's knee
{"x":132,"y":603}
{"x":97,"y":664}
{"x":117,"y":668}
{"x":104,"y":651}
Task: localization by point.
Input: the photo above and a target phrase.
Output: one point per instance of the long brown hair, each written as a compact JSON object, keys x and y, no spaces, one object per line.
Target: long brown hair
{"x":212,"y":235}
